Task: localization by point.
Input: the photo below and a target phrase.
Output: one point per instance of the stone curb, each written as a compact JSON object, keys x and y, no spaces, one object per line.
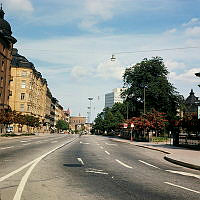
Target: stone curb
{"x":181,"y":163}
{"x":166,"y":157}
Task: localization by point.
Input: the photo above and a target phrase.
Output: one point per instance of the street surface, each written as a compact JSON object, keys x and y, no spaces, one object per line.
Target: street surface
{"x":90,"y":167}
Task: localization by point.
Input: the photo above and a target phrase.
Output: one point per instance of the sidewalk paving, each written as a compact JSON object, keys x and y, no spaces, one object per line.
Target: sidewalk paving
{"x":2,"y":139}
{"x":177,"y":155}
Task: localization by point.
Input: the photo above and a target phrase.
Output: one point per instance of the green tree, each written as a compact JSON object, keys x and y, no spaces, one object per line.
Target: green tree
{"x":62,"y":125}
{"x":160,"y":94}
{"x":108,"y":121}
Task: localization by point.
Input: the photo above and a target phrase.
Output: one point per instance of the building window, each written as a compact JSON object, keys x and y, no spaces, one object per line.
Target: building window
{"x":23,"y":84}
{"x":22,"y":96}
{"x":24,"y":73}
{"x":29,"y":107}
{"x":1,"y":83}
{"x":21,"y":107}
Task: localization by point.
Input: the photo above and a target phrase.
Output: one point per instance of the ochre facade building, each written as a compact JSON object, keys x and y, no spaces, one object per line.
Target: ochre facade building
{"x":6,"y":46}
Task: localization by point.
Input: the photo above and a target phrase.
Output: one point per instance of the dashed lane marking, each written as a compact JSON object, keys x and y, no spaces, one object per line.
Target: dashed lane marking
{"x":84,"y":142}
{"x":148,"y":164}
{"x":101,"y":147}
{"x":182,"y":187}
{"x":7,"y":147}
{"x":80,"y":160}
{"x":125,"y":165}
{"x":107,"y":152}
{"x":26,"y":144}
{"x":96,"y":172}
{"x":184,"y":173}
{"x":111,"y":144}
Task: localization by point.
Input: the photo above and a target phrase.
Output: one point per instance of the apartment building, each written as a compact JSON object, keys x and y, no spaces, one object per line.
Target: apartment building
{"x":6,"y":45}
{"x":28,"y":89}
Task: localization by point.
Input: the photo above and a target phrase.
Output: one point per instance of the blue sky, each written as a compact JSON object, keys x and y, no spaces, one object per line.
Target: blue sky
{"x":71,"y":42}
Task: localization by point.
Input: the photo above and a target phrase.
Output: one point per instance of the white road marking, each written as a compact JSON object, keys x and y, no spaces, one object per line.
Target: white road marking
{"x":111,"y":144}
{"x":80,"y":160}
{"x":24,"y":179}
{"x":125,"y":165}
{"x":84,"y":143}
{"x":28,"y":164}
{"x":7,"y":147}
{"x":182,"y":187}
{"x":101,"y":147}
{"x":92,"y":169}
{"x":148,"y":164}
{"x":184,"y":173}
{"x":54,"y":142}
{"x":23,"y":141}
{"x":96,"y":172}
{"x":26,"y":144}
{"x":107,"y":152}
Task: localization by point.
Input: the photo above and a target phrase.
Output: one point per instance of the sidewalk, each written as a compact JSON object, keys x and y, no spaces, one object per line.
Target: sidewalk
{"x":177,"y":155}
{"x":2,"y":139}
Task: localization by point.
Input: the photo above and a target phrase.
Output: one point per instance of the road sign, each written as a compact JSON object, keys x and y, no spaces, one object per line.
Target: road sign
{"x":125,"y":125}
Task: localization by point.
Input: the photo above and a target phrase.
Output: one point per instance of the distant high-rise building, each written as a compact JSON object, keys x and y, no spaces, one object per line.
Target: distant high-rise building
{"x":114,"y":97}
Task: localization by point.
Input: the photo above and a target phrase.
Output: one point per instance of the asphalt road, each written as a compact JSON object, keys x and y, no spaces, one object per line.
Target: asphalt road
{"x":90,"y":167}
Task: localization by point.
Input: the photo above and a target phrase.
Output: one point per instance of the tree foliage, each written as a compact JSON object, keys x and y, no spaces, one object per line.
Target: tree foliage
{"x":108,"y":120}
{"x":160,"y":94}
{"x":62,"y":125}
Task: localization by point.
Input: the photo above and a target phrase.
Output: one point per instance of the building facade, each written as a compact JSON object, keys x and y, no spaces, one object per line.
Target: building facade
{"x":77,"y":123}
{"x":28,"y":89}
{"x":114,"y":97}
{"x":192,"y":103}
{"x":6,"y":45}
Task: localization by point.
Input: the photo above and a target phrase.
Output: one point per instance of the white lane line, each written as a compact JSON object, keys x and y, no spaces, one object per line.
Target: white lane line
{"x":84,"y":142}
{"x":26,"y":144}
{"x":7,"y":147}
{"x":96,"y":172}
{"x":182,"y":187}
{"x":111,"y":144}
{"x":24,"y":179}
{"x":125,"y":165}
{"x":80,"y":160}
{"x":107,"y":152}
{"x":101,"y":147}
{"x":92,"y":169}
{"x":184,"y":173}
{"x":54,"y":142}
{"x":28,"y":164}
{"x":148,"y":164}
{"x":23,"y":141}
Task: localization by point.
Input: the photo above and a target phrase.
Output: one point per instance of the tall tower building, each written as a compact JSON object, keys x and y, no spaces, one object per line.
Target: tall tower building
{"x":114,"y":97}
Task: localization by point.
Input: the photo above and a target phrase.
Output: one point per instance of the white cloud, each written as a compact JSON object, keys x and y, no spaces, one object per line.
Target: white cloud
{"x":187,"y":76}
{"x":80,"y":72}
{"x":194,"y":31}
{"x":19,"y":5}
{"x":110,"y":69}
{"x":192,"y":22}
{"x":100,"y":8}
{"x":173,"y":65}
{"x":171,"y":31}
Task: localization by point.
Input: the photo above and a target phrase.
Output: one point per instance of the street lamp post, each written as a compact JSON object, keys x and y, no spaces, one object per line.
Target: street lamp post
{"x":90,"y":99}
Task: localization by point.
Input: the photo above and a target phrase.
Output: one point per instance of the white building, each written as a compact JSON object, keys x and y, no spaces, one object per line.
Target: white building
{"x":114,"y":97}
